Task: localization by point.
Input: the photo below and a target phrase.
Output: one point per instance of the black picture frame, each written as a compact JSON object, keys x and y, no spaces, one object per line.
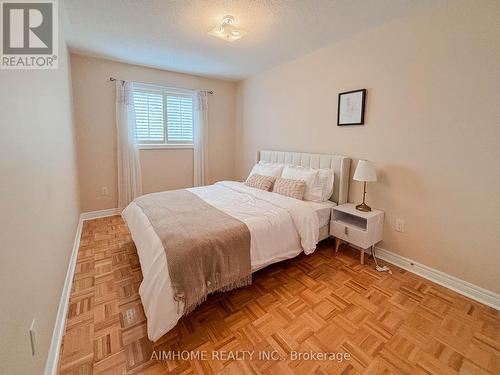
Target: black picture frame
{"x":363,"y":102}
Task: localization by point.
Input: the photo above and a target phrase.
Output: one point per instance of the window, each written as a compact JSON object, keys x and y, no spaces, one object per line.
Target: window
{"x":163,"y":116}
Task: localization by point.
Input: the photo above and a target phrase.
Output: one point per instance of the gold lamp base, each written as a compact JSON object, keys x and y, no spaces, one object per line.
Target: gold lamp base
{"x":363,"y":207}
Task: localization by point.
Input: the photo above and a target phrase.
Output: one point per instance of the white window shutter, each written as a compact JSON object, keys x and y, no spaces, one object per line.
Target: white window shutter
{"x":149,"y":120}
{"x":163,"y":115}
{"x":180,"y":119}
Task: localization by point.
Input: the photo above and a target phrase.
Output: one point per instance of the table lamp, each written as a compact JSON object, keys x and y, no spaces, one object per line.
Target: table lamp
{"x":365,"y":173}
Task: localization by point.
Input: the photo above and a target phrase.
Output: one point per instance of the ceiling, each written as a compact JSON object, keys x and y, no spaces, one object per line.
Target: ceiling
{"x":172,"y":34}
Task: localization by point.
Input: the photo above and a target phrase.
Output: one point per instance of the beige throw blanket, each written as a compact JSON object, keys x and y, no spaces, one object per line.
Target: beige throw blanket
{"x":207,"y":250}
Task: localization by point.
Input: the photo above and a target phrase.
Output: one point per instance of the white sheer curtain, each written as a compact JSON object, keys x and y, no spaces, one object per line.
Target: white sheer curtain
{"x":200,"y":138}
{"x":129,"y":168}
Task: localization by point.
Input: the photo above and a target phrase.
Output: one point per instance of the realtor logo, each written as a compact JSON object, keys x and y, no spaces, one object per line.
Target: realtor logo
{"x":29,"y":34}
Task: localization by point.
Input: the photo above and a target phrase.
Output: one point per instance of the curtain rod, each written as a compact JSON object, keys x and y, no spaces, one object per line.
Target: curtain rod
{"x":113,"y":79}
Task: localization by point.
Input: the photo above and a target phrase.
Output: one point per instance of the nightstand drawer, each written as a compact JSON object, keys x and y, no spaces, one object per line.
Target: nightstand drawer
{"x":348,"y":233}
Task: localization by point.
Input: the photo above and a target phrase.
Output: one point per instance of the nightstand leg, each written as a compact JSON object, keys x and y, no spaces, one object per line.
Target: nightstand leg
{"x":338,"y":242}
{"x":362,"y":256}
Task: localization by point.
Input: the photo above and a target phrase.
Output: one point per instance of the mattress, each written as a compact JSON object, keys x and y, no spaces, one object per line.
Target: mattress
{"x":323,"y":210}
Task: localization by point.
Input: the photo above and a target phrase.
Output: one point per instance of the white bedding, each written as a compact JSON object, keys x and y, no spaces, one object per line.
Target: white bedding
{"x":280,"y":228}
{"x":323,"y":211}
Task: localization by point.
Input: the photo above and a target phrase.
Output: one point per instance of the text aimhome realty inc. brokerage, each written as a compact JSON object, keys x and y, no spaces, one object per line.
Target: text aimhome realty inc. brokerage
{"x":247,"y":355}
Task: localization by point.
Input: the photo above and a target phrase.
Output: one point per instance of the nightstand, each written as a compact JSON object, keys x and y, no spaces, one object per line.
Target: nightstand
{"x":362,"y":229}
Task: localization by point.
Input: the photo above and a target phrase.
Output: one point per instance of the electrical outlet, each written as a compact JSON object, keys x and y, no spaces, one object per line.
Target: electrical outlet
{"x":104,"y":190}
{"x":33,"y":337}
{"x":399,"y":225}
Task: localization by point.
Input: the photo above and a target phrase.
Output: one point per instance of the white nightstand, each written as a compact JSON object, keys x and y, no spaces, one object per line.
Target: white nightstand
{"x":362,"y":229}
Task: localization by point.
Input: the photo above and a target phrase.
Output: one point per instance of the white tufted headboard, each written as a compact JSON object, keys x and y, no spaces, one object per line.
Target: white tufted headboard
{"x":341,"y":166}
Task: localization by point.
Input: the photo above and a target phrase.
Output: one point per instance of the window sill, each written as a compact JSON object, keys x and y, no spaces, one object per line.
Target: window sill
{"x":163,"y":146}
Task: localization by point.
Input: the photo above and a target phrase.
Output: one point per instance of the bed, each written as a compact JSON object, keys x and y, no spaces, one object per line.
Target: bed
{"x":280,"y":228}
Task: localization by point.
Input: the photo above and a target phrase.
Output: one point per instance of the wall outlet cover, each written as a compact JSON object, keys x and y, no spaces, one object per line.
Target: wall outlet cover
{"x":399,"y":225}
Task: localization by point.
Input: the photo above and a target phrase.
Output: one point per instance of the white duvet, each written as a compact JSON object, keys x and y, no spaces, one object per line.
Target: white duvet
{"x":280,"y":228}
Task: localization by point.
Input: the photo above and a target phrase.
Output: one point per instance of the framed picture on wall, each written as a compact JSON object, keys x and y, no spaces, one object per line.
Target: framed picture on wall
{"x":351,"y":108}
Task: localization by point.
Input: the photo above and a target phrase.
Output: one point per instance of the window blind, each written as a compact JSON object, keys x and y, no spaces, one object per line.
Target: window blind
{"x":163,"y":116}
{"x":180,"y":119}
{"x":149,"y":121}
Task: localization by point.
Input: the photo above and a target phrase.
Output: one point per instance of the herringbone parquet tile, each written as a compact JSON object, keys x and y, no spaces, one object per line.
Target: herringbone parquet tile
{"x":400,"y":323}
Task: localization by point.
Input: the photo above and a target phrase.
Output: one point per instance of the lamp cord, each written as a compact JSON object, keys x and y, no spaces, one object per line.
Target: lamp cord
{"x":377,"y":267}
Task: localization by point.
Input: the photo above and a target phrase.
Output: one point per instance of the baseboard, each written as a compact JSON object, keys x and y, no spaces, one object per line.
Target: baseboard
{"x":472,"y":291}
{"x":57,"y":334}
{"x":102,"y":213}
{"x":59,"y":326}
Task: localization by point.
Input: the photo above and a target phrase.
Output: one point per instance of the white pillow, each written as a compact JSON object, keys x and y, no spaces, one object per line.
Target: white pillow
{"x":308,"y":175}
{"x":327,"y":177}
{"x":316,"y":192}
{"x":322,"y":186}
{"x":319,"y":182}
{"x":267,"y":169}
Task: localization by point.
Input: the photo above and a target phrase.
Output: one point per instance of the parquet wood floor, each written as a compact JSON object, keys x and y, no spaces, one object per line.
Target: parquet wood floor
{"x":399,"y":323}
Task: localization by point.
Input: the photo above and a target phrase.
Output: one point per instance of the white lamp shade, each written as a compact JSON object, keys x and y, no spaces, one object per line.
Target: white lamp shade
{"x":365,"y":172}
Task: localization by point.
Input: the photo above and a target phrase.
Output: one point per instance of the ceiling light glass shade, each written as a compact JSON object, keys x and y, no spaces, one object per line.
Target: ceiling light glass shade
{"x":227,"y":30}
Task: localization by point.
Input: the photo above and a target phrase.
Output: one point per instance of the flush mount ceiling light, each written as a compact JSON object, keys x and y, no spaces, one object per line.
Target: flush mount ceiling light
{"x":227,"y":30}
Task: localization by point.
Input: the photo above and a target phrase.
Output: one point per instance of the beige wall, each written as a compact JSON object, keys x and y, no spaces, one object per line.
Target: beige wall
{"x":432,"y":129}
{"x":40,"y":208}
{"x":94,"y":102}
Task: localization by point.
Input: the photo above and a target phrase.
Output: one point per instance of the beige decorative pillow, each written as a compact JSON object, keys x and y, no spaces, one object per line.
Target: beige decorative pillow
{"x":290,"y":188}
{"x":261,"y":182}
